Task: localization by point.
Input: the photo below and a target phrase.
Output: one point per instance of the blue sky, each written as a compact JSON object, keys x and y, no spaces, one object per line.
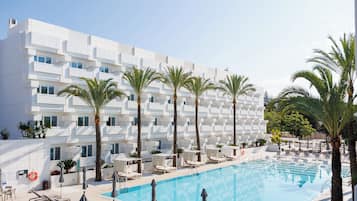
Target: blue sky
{"x":266,"y":40}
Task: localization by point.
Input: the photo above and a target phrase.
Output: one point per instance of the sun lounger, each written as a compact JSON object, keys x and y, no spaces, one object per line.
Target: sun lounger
{"x":159,"y":163}
{"x":189,"y":159}
{"x":125,"y":170}
{"x":213,"y":155}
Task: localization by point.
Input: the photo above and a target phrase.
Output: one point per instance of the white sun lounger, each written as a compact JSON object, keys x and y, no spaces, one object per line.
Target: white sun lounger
{"x":189,"y":159}
{"x":159,"y":163}
{"x":125,"y":170}
{"x":213,"y":155}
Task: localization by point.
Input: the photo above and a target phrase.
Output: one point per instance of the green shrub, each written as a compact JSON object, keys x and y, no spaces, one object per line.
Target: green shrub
{"x":155,"y":152}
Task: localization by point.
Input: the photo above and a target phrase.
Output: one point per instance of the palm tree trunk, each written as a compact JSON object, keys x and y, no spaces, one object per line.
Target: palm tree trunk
{"x":98,"y":141}
{"x":234,"y":127}
{"x":336,"y":181}
{"x":139,"y":134}
{"x":197,"y":131}
{"x":175,"y":130}
{"x":352,"y":144}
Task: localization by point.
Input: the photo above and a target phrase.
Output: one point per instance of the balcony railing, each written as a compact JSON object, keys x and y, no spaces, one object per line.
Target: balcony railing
{"x":84,"y":130}
{"x":50,"y":99}
{"x":75,"y":72}
{"x":57,"y":131}
{"x":46,"y":68}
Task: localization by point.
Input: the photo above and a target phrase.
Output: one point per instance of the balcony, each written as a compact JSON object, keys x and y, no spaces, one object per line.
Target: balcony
{"x":112,"y":130}
{"x":50,"y":99}
{"x":214,"y":110}
{"x":57,"y":131}
{"x":226,"y":111}
{"x":155,"y":107}
{"x":218,"y":128}
{"x":129,"y":59}
{"x":105,"y":76}
{"x":206,"y":128}
{"x":188,"y":108}
{"x":131,"y":105}
{"x":46,"y":68}
{"x":115,"y":104}
{"x":44,"y":41}
{"x":107,"y":55}
{"x":75,"y":72}
{"x":84,"y":130}
{"x":78,"y":46}
{"x":78,"y":102}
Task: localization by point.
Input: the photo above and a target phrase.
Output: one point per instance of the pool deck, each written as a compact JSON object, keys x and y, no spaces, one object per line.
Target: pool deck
{"x":96,"y":189}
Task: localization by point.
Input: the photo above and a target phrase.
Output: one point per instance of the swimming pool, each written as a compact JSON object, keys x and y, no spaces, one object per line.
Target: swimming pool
{"x":261,"y":180}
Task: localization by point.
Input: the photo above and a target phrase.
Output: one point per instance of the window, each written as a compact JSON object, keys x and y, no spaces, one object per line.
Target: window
{"x":169,"y":101}
{"x":43,"y":59}
{"x":50,"y":121}
{"x":77,"y":65}
{"x":155,"y":121}
{"x":151,"y":99}
{"x":131,"y":97}
{"x":87,"y":151}
{"x":46,"y":89}
{"x":55,"y":153}
{"x":135,"y":121}
{"x":104,"y":69}
{"x":111,"y":121}
{"x":115,"y":149}
{"x":83,"y":121}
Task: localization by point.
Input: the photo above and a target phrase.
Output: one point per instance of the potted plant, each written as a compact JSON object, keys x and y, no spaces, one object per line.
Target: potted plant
{"x":68,"y":164}
{"x":155,"y":152}
{"x":276,"y":138}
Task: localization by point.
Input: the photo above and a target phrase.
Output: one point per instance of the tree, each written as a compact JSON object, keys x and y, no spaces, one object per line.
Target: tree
{"x":96,"y":93}
{"x":139,"y":79}
{"x":296,"y":124}
{"x":197,"y":86}
{"x":33,"y":129}
{"x":235,"y":86}
{"x":341,"y":59}
{"x":175,"y":78}
{"x":274,"y":119}
{"x":327,"y":107}
{"x":276,"y":137}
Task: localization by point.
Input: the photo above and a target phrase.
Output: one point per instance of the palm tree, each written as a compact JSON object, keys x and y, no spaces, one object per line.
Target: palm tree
{"x":175,"y":78}
{"x":235,"y":86}
{"x":96,"y":93}
{"x":341,"y":59}
{"x":328,"y":107}
{"x":197,"y":86}
{"x":139,"y":79}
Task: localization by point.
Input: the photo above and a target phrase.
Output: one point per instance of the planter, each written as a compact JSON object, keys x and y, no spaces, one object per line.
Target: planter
{"x":69,"y":179}
{"x":272,"y":148}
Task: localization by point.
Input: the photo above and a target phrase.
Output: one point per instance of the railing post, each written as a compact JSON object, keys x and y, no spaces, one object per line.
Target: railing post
{"x":204,"y":195}
{"x":153,"y":190}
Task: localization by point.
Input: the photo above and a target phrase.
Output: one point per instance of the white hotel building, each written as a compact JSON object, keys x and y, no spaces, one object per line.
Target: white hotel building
{"x":38,"y":59}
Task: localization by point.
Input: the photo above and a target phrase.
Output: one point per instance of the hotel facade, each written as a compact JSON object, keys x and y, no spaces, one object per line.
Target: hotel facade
{"x":38,"y":59}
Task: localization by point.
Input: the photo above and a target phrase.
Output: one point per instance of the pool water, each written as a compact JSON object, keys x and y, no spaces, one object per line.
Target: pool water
{"x":252,"y":181}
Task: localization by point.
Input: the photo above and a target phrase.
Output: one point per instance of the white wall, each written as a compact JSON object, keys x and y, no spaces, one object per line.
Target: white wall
{"x":15,"y":92}
{"x":31,"y":155}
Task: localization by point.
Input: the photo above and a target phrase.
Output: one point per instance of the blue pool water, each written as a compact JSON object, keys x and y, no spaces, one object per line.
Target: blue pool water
{"x":253,"y":181}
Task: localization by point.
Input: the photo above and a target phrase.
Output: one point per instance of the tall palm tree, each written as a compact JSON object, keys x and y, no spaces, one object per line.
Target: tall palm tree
{"x":328,"y":107}
{"x":341,"y":59}
{"x":96,"y":93}
{"x":175,"y":78}
{"x":197,"y":86}
{"x":139,"y":79}
{"x":235,"y":86}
